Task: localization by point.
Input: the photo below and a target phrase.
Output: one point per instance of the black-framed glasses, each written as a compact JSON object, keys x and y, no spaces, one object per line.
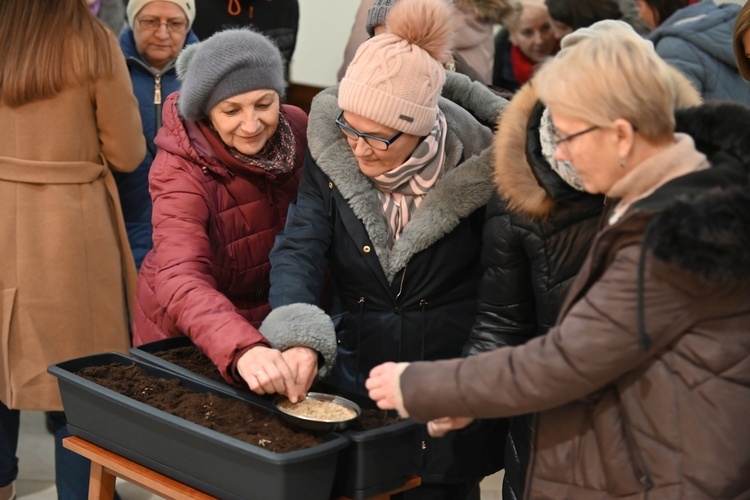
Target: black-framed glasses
{"x":153,"y":24}
{"x":373,"y":141}
{"x":560,"y":140}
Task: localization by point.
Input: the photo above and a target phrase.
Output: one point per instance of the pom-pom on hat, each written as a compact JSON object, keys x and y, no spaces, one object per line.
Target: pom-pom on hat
{"x":396,"y":77}
{"x":135,"y":6}
{"x":227,"y":64}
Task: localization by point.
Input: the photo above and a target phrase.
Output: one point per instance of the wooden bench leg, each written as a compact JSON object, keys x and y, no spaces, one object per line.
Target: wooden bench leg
{"x":101,"y":483}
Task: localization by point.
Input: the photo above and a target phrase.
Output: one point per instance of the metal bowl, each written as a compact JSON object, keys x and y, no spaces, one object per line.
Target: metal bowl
{"x":319,"y":425}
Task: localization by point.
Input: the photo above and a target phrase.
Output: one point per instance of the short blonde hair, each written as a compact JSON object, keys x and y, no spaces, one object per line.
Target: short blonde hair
{"x":510,"y":22}
{"x":609,"y":75}
{"x":740,"y":28}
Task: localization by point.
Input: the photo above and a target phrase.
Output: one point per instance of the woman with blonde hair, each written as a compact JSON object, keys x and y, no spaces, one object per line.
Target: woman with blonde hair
{"x":525,"y":41}
{"x":540,"y":223}
{"x":68,"y":118}
{"x":642,"y":388}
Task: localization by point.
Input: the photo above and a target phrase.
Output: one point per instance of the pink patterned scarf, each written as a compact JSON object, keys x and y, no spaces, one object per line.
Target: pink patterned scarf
{"x":402,"y":189}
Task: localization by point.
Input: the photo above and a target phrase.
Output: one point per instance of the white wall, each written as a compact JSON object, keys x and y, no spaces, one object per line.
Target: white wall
{"x":324,"y":27}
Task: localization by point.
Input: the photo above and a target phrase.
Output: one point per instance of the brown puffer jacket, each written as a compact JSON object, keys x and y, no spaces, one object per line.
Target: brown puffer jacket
{"x":215,"y":221}
{"x":644,"y":384}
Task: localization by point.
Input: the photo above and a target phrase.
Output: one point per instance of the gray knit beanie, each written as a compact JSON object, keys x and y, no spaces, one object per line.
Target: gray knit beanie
{"x":227,"y":64}
{"x":376,"y":15}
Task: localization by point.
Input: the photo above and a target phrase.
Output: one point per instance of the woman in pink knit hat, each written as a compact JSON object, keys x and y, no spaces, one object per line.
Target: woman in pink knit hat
{"x":391,"y":207}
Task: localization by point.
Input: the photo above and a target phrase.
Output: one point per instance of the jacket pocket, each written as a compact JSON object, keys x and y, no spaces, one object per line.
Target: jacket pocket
{"x":618,"y":465}
{"x":344,"y":336}
{"x":6,"y":315}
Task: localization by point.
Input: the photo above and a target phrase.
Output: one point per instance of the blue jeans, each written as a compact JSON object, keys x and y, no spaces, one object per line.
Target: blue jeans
{"x":71,"y":469}
{"x":9,"y":425}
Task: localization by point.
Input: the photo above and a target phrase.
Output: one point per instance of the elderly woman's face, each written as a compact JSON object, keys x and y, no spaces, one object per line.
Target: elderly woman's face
{"x":247,"y":121}
{"x":160,"y":30}
{"x":592,"y":151}
{"x":373,"y":162}
{"x":533,"y":34}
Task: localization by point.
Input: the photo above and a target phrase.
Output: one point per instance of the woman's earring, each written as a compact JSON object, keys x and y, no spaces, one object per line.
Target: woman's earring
{"x":623,"y":163}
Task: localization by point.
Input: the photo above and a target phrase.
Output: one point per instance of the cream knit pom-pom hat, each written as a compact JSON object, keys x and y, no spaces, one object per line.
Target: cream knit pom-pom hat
{"x":395,"y":78}
{"x":135,"y":6}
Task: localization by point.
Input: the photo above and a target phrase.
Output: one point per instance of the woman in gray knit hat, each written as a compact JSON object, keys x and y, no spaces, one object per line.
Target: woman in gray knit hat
{"x":227,"y":168}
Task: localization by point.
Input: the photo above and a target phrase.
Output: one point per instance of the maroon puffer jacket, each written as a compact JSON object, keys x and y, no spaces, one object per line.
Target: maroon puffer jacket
{"x":215,"y":220}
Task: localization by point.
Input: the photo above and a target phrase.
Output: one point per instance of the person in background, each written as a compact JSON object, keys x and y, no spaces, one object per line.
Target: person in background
{"x":697,"y":40}
{"x":643,"y":385}
{"x":391,"y":207}
{"x":110,"y":12}
{"x":472,"y":24}
{"x":570,"y":15}
{"x":526,"y":41}
{"x":227,"y":167}
{"x":742,"y":41}
{"x":375,"y":25}
{"x":68,"y":118}
{"x":654,"y":12}
{"x":540,"y":224}
{"x":277,"y":19}
{"x":158,"y":30}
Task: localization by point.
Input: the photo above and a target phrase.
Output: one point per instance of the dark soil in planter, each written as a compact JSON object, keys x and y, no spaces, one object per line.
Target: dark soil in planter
{"x":223,"y":414}
{"x":191,"y":358}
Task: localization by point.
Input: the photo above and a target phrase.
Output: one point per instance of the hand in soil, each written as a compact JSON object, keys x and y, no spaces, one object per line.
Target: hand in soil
{"x":192,"y":359}
{"x":266,"y":372}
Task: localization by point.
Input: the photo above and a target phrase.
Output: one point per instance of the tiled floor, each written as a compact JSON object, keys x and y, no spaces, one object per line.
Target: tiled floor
{"x":36,"y":480}
{"x":36,"y":468}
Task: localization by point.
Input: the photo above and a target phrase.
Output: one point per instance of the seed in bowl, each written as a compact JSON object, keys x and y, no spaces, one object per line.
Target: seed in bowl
{"x":318,"y":410}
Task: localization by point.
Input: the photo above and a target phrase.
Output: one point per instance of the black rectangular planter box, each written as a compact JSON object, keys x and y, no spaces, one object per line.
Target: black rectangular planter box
{"x":205,"y":459}
{"x":375,"y":461}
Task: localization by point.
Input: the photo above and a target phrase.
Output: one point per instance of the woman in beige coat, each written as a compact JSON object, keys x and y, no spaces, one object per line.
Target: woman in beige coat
{"x":67,"y":118}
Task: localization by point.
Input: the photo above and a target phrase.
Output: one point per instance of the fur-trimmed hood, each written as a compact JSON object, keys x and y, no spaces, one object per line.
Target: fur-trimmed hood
{"x":523,"y":178}
{"x":702,"y":219}
{"x":704,"y":222}
{"x":458,"y":193}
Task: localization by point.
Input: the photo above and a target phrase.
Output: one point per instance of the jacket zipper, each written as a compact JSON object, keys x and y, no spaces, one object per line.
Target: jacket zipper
{"x":361,"y":303}
{"x":641,"y":471}
{"x":532,"y":458}
{"x":401,"y":285}
{"x":157,"y":99}
{"x":397,"y":307}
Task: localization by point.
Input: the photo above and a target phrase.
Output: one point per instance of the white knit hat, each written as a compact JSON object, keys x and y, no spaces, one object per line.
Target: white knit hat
{"x":395,"y":78}
{"x":135,"y":6}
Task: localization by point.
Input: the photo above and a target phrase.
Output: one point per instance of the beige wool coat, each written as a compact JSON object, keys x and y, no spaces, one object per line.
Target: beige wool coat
{"x":66,"y":272}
